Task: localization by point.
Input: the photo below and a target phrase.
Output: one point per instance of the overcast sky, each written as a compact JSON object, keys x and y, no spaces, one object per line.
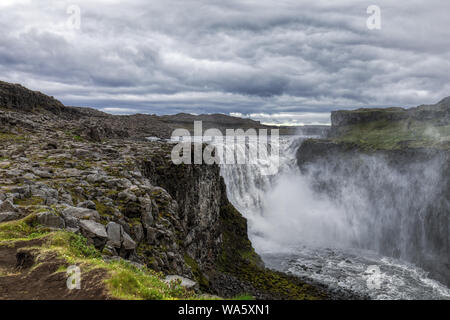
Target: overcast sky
{"x":277,"y":61}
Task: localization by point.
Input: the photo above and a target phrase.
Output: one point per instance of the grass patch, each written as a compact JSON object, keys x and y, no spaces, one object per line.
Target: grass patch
{"x":33,"y":201}
{"x":73,"y":136}
{"x":8,"y":137}
{"x":80,"y":247}
{"x":198,"y":275}
{"x":244,"y":297}
{"x":124,"y":280}
{"x":130,"y":283}
{"x":25,"y":229}
{"x":103,"y":209}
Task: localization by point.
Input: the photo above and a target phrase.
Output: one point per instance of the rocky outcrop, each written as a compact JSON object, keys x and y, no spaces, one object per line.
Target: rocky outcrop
{"x":97,"y":126}
{"x":440,"y":113}
{"x":14,"y":96}
{"x":88,"y":173}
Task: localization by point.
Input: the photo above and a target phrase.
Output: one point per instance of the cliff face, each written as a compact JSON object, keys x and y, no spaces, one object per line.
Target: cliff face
{"x":214,"y":234}
{"x":198,"y":192}
{"x":207,"y":218}
{"x":439,"y":112}
{"x":14,"y":96}
{"x":122,"y":204}
{"x":389,"y":170}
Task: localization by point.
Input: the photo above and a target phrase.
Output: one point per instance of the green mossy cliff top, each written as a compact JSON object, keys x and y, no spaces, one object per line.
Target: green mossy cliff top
{"x":426,"y":126}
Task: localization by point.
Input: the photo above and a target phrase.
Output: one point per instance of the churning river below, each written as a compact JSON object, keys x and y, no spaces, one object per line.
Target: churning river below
{"x":299,"y":232}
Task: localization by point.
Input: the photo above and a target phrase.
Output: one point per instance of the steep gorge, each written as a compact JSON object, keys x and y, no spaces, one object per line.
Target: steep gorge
{"x":393,"y":188}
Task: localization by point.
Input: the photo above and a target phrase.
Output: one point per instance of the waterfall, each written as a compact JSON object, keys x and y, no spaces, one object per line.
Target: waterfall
{"x":364,"y":204}
{"x":283,"y":210}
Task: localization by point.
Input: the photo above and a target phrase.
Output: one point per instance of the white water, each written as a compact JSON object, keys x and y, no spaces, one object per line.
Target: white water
{"x":299,"y":231}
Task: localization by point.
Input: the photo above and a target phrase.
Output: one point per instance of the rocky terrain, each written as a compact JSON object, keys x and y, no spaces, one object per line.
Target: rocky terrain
{"x":393,"y":167}
{"x":80,"y":187}
{"x":96,"y":125}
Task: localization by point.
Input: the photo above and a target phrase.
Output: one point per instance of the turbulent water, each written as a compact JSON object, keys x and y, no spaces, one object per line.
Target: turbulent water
{"x":308,"y":234}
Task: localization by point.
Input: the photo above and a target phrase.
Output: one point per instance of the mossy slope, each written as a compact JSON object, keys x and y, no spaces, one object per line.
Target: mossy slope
{"x":122,"y":281}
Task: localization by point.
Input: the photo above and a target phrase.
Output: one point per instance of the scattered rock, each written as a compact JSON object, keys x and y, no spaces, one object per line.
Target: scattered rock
{"x":185,"y":282}
{"x":81,"y":213}
{"x":95,"y":232}
{"x":7,"y":206}
{"x":51,"y":220}
{"x":88,"y":204}
{"x":9,"y":216}
{"x":128,"y":243}
{"x":114,"y":232}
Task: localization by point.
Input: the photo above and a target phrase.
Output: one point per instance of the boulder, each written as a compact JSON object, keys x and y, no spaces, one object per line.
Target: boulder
{"x":51,"y":145}
{"x":51,"y":220}
{"x":88,"y":204}
{"x":95,"y":232}
{"x":81,"y":213}
{"x":151,"y":235}
{"x":7,"y":206}
{"x":42,"y":174}
{"x":185,"y":282}
{"x":147,"y":214}
{"x":127,"y":242}
{"x":127,"y":196}
{"x":9,"y":216}
{"x":72,"y":223}
{"x":137,"y":232}
{"x":29,"y":176}
{"x":93,"y":228}
{"x":114,"y":232}
{"x":96,"y":178}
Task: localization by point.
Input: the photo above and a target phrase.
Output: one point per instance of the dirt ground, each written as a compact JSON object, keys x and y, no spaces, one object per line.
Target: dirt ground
{"x":24,"y":278}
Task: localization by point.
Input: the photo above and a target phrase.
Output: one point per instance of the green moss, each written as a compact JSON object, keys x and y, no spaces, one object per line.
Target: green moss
{"x":198,"y":275}
{"x":76,"y":198}
{"x":244,"y":297}
{"x":80,"y":247}
{"x":103,"y":209}
{"x":113,"y":171}
{"x":73,"y":136}
{"x":112,"y":193}
{"x":84,"y":165}
{"x":7,"y":137}
{"x":24,"y":229}
{"x":236,"y":246}
{"x":32,"y":201}
{"x":391,"y":135}
{"x":122,"y":279}
{"x":129,"y":282}
{"x":146,"y":252}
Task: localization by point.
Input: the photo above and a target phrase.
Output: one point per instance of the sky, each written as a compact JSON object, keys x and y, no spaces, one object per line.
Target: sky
{"x":281,"y":62}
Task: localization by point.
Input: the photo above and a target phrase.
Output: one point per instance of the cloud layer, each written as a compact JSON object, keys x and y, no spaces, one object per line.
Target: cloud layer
{"x":285,"y":61}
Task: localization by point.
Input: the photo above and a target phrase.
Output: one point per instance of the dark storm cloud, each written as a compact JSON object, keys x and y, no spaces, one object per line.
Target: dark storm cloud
{"x":293,"y":60}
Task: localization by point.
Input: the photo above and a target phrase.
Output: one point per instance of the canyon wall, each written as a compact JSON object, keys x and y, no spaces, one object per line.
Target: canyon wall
{"x":391,"y":182}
